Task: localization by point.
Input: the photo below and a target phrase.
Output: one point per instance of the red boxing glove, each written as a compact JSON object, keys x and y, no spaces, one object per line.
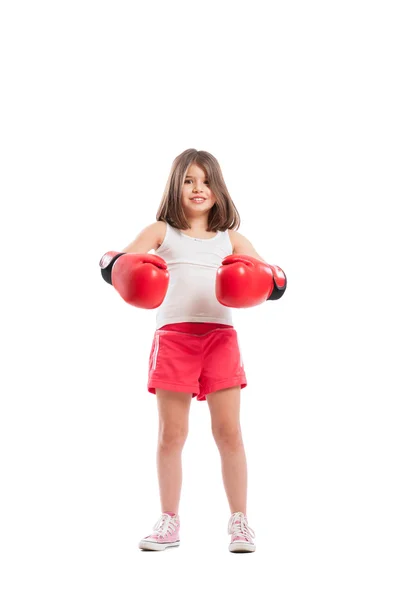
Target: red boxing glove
{"x":140,"y":279}
{"x":243,"y":281}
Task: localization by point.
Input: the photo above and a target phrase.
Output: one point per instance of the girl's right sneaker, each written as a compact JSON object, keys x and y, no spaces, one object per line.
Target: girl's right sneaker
{"x":165,"y":534}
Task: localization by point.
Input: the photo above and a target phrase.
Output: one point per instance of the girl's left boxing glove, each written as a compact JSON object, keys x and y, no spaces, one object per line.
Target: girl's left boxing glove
{"x":243,"y":281}
{"x":140,"y":279}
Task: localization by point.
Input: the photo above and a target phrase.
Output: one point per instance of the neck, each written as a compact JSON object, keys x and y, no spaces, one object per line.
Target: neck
{"x":198,"y":223}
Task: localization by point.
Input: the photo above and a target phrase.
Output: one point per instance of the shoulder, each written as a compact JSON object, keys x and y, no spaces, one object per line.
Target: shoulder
{"x":237,"y":241}
{"x":232,"y":236}
{"x":160,"y":228}
{"x":149,"y":238}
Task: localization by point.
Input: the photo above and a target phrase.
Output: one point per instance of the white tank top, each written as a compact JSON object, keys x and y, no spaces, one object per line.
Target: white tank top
{"x":192,"y":264}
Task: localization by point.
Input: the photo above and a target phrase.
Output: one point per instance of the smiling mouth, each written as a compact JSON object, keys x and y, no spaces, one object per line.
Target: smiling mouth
{"x":198,"y":200}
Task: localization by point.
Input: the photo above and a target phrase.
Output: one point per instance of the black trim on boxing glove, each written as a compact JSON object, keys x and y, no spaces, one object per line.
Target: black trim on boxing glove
{"x":107,"y":262}
{"x":278,"y":290}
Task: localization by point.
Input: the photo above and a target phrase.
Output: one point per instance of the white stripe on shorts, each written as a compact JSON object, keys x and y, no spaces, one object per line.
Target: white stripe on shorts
{"x":156,"y":350}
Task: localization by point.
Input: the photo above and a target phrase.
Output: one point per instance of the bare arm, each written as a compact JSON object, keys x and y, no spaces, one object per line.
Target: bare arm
{"x":241,"y":245}
{"x":148,"y":239}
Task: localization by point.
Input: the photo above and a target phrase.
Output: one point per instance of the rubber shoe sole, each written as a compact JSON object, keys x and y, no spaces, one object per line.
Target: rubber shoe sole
{"x":241,"y":547}
{"x":150,"y":545}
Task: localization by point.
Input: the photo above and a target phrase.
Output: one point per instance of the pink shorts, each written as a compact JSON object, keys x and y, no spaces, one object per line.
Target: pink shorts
{"x":199,"y":358}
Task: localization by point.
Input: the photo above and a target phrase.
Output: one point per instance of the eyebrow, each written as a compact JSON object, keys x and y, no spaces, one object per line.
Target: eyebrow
{"x":192,"y":177}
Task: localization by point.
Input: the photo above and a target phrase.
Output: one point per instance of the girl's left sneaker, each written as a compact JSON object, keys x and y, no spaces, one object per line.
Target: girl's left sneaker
{"x":241,"y":534}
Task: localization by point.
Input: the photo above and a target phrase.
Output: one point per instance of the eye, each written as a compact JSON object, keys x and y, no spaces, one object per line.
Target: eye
{"x":190,"y":180}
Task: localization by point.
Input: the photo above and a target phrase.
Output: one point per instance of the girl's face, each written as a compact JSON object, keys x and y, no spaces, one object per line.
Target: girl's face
{"x":196,"y":185}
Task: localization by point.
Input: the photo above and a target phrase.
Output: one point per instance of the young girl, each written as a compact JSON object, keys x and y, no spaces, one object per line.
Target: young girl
{"x":202,"y":267}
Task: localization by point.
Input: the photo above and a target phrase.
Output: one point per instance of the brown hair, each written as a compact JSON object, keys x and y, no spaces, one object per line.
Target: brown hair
{"x":223,"y":215}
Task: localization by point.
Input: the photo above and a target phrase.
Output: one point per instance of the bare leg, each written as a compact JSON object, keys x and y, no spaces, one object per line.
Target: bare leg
{"x":173,"y":430}
{"x":224,"y":406}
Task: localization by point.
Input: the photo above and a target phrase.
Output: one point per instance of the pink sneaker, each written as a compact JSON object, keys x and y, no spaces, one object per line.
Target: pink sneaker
{"x":165,"y":534}
{"x":241,"y":534}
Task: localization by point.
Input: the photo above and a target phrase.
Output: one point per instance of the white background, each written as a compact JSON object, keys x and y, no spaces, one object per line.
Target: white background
{"x":311,"y":108}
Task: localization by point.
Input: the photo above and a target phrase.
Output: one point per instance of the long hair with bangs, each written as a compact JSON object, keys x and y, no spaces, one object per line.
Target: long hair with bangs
{"x":222,"y":216}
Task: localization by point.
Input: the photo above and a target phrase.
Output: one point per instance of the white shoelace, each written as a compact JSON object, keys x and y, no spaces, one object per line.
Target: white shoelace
{"x":240,"y":527}
{"x":164,"y":524}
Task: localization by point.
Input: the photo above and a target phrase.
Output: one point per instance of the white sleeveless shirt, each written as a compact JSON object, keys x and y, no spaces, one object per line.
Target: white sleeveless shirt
{"x":192,"y":264}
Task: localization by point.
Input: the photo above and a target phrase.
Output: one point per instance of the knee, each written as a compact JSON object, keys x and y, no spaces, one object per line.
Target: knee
{"x":171,"y":437}
{"x":227,"y":436}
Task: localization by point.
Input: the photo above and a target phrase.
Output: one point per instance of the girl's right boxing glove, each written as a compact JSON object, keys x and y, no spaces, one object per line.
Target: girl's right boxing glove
{"x":140,"y":279}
